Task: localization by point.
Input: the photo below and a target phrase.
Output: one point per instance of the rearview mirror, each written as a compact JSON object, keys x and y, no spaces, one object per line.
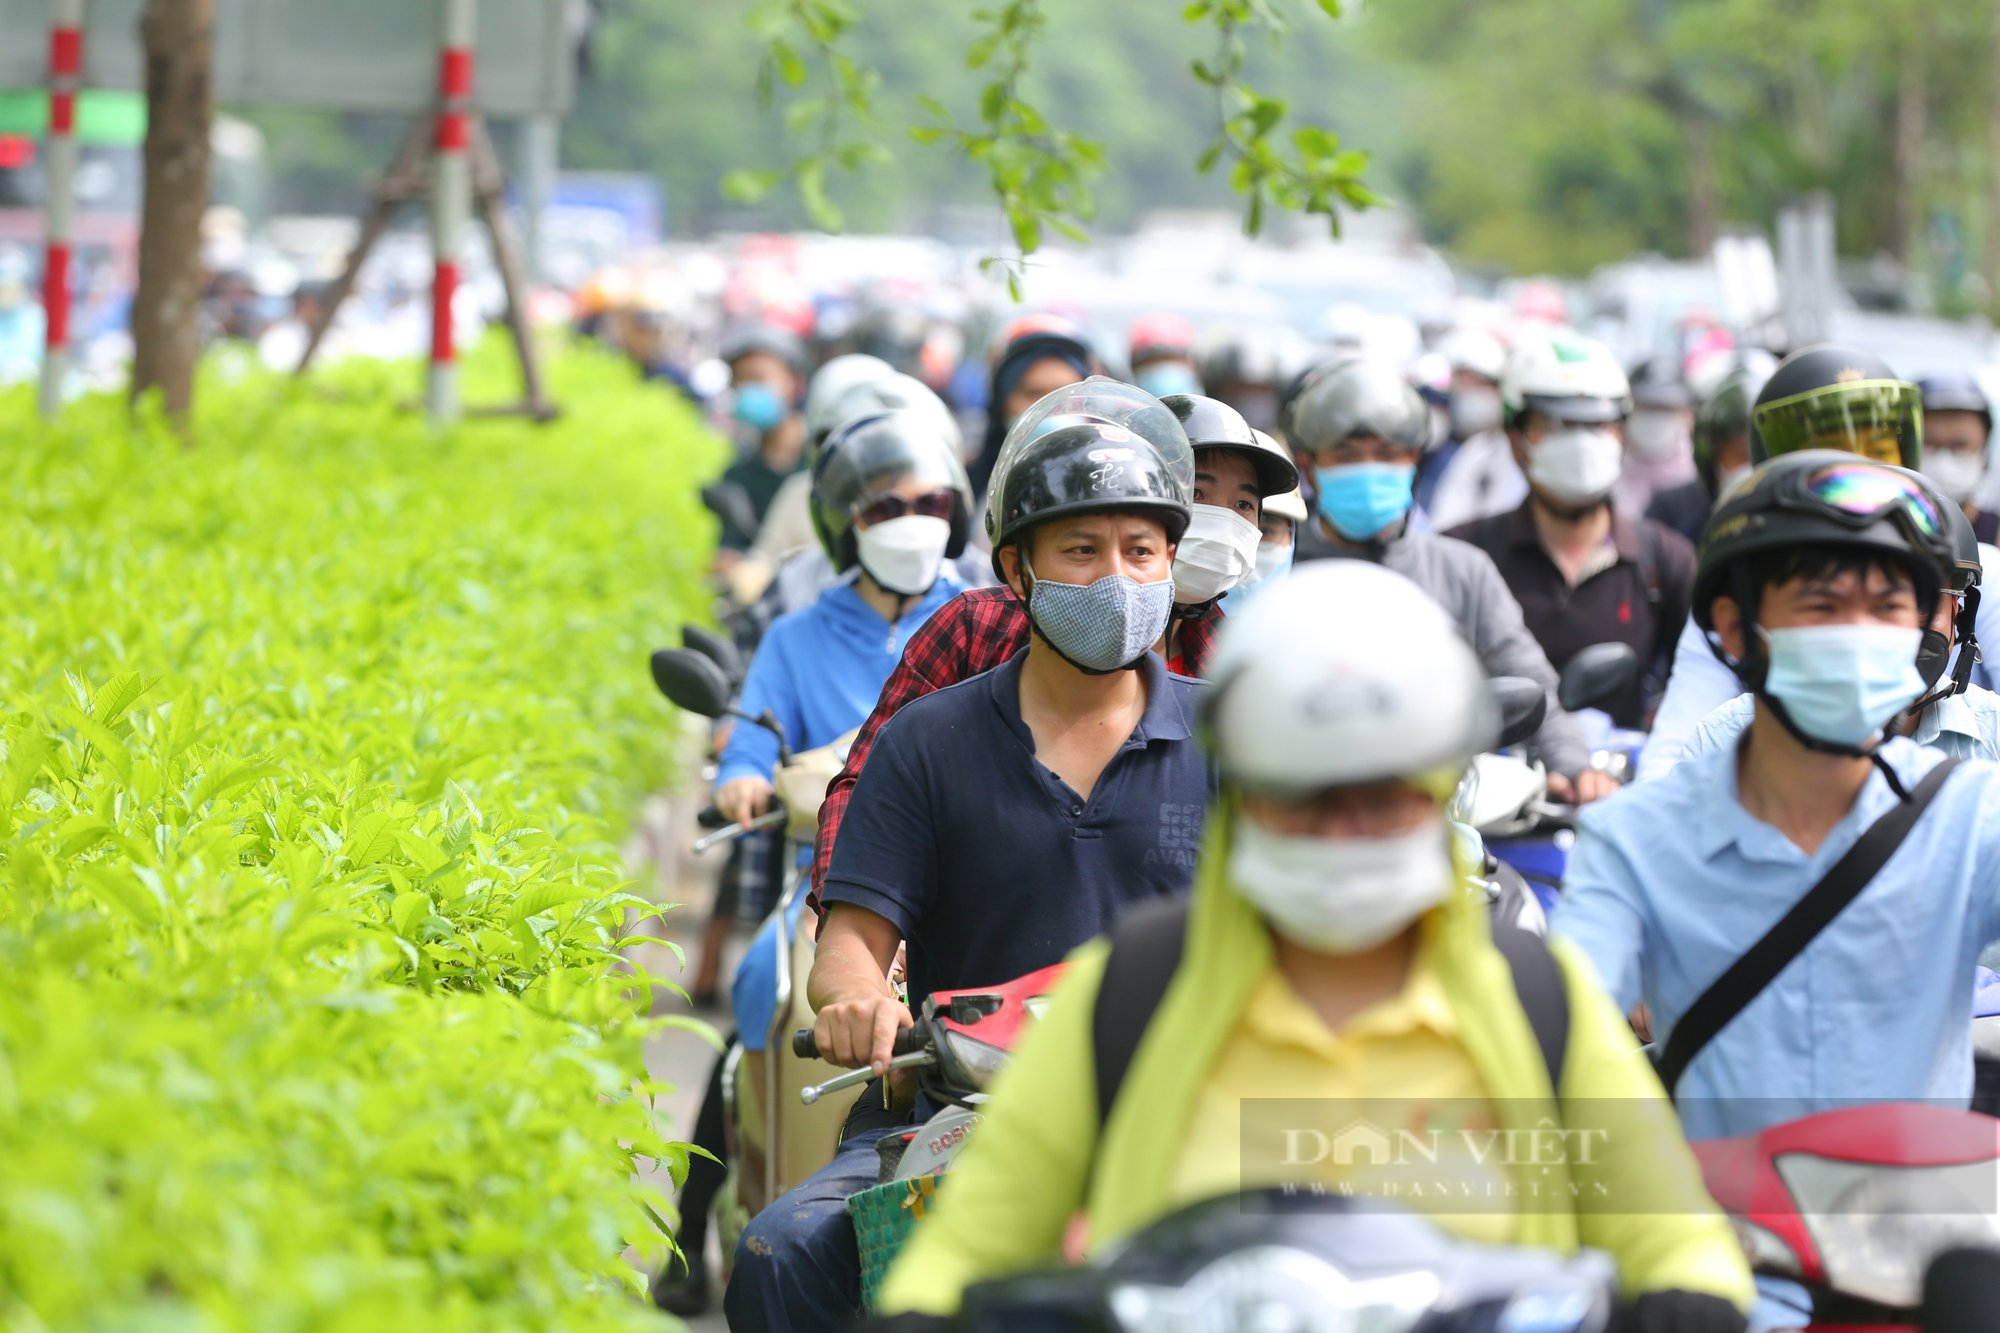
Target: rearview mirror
{"x":717,"y":648}
{"x":1595,"y":675}
{"x":730,"y":503}
{"x":691,"y":681}
{"x":1523,"y":705}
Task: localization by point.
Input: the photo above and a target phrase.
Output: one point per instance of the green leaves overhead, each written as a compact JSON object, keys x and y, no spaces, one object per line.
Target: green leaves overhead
{"x":1040,"y":174}
{"x":314,"y":755}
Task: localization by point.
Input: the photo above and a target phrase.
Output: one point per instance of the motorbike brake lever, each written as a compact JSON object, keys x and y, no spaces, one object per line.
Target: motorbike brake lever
{"x":808,"y":1096}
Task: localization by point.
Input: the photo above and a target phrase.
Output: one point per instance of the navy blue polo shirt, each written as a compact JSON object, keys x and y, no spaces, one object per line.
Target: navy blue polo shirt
{"x":987,"y":862}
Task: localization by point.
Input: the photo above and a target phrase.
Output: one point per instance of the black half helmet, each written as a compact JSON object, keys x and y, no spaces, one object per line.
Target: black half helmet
{"x":895,"y":333}
{"x":1211,"y":423}
{"x":1101,"y":399}
{"x":1360,"y":396}
{"x":1822,"y":497}
{"x":866,"y":457}
{"x":1832,"y":397}
{"x":747,"y":339}
{"x":1080,"y":468}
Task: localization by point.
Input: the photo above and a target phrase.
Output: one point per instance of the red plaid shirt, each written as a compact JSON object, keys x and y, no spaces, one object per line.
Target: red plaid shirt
{"x":973,"y":632}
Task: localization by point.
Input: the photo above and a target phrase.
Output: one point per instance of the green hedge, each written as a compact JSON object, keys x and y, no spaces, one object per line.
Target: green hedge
{"x":316,"y":741}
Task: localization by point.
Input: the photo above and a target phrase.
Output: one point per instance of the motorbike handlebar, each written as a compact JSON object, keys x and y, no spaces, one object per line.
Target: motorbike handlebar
{"x":908,"y":1042}
{"x":711,"y":818}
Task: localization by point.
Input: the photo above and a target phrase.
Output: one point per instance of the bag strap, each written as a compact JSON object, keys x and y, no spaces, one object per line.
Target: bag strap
{"x":1146,"y":948}
{"x":1747,"y":977}
{"x":1538,"y":982}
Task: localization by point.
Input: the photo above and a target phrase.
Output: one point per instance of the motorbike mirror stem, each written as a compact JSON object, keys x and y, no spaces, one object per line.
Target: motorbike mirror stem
{"x":769,"y":722}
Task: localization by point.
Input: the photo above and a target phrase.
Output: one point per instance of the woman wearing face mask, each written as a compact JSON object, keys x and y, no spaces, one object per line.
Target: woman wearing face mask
{"x":1329,"y":956}
{"x":891,"y":504}
{"x":1035,"y":356}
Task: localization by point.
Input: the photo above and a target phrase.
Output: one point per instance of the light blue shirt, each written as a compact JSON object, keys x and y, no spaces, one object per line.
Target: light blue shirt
{"x":1671,"y":881}
{"x":820,"y":671}
{"x":1964,"y":726}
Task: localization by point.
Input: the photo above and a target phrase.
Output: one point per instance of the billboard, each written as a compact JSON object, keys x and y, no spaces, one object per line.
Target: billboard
{"x":338,"y":55}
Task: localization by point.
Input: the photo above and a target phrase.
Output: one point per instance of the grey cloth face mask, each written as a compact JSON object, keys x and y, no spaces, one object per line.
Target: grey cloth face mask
{"x":1101,"y":627}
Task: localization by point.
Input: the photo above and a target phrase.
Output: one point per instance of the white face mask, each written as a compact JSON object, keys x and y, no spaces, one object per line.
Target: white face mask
{"x":1658,"y":436}
{"x":1576,"y":465}
{"x":1957,"y":475}
{"x":1218,"y":551}
{"x":904,"y":554}
{"x":1340,"y":895}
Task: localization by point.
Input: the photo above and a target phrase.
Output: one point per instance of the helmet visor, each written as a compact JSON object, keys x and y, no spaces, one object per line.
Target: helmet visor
{"x":1878,"y":419}
{"x":866,"y":462}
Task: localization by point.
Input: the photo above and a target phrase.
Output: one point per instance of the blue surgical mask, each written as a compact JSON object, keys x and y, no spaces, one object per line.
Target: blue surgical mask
{"x":757,"y":405}
{"x":1361,"y":499}
{"x":1843,"y":683}
{"x":1167,"y":377}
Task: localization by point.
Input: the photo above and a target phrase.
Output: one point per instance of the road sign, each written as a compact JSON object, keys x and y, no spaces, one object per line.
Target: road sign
{"x":341,"y":55}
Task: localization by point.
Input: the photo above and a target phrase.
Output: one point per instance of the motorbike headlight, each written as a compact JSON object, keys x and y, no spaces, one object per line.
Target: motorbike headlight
{"x":979,"y":1061}
{"x":1878,"y":1227}
{"x":1277,"y":1289}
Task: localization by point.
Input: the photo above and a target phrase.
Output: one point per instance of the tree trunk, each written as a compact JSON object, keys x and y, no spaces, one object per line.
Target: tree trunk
{"x":1992,"y":229}
{"x":1911,"y":106}
{"x":1703,"y":206}
{"x":179,"y":42}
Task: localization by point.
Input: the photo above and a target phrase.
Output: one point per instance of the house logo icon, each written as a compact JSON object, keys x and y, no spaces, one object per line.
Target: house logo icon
{"x":1363,"y":1143}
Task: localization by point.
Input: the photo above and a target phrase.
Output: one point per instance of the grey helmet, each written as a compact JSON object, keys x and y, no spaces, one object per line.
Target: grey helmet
{"x":888,"y":393}
{"x":1360,"y":396}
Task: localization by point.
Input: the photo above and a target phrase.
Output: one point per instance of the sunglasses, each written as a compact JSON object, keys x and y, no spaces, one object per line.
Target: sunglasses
{"x":931,"y":504}
{"x":1866,"y":492}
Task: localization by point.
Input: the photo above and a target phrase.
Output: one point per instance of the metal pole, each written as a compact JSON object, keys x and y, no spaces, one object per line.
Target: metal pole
{"x":451,"y":200}
{"x":538,"y":155}
{"x":59,"y":202}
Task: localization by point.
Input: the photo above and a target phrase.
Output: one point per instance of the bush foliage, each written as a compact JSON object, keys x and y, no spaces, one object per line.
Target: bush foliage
{"x":316,"y":740}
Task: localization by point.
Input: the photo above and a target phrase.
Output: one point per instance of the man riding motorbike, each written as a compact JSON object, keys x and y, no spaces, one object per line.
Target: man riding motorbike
{"x":1583,"y":572}
{"x":1001,"y":822}
{"x":1358,"y":429}
{"x":1821,"y":397}
{"x":1160,"y":352}
{"x":1330,"y":958}
{"x":766,"y":374}
{"x":1817,"y":576}
{"x":1958,"y":426}
{"x":983,"y":628}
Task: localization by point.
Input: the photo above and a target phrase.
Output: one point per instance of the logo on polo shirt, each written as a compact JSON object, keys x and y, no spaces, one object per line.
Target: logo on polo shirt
{"x":1180,"y":835}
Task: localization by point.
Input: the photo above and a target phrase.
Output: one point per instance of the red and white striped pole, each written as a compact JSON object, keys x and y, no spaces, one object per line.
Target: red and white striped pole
{"x":451,"y":200}
{"x":59,"y":195}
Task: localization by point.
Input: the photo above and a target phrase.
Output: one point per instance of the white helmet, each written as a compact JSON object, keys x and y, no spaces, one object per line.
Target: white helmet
{"x":832,"y":380}
{"x":1344,"y":673}
{"x":1565,"y":375}
{"x":893,"y":392}
{"x":1292,"y":505}
{"x":1475,"y":351}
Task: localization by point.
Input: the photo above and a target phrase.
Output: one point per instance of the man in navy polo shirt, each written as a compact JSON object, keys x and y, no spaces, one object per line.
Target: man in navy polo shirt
{"x":1004,"y":820}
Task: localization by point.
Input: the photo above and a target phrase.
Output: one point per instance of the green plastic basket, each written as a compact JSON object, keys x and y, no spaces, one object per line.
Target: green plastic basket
{"x":883,"y":1216}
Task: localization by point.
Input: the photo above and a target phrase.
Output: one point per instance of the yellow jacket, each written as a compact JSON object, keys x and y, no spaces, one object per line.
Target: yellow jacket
{"x":1037,"y":1159}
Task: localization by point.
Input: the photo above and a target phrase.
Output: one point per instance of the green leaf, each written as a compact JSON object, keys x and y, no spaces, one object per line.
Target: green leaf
{"x":791,"y":67}
{"x":747,"y":187}
{"x":115,"y":696}
{"x":1196,"y":10}
{"x":812,"y":193}
{"x":408,"y":912}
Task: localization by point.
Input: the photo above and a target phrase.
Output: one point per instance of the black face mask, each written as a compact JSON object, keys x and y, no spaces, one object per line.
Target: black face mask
{"x":1932,"y":655}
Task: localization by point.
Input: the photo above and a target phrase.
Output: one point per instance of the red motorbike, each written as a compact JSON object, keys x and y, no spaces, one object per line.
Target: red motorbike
{"x":1856,"y":1204}
{"x":961,"y":1039}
